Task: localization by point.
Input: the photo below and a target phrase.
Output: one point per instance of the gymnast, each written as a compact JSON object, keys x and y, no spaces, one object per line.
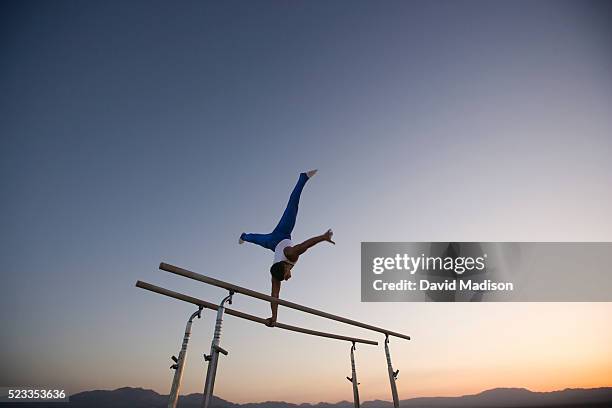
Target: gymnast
{"x":286,"y":254}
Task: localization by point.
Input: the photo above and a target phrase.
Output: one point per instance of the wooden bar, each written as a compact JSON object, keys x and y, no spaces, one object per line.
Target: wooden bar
{"x":238,"y":289}
{"x":242,"y":315}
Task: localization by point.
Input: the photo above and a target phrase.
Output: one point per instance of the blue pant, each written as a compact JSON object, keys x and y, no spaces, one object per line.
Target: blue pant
{"x":285,"y":225}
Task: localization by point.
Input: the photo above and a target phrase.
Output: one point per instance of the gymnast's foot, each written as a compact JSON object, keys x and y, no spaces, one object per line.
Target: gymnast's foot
{"x":311,"y":173}
{"x":240,"y":240}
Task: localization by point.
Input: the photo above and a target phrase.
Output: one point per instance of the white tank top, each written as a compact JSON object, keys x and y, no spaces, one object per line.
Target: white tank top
{"x":279,"y":251}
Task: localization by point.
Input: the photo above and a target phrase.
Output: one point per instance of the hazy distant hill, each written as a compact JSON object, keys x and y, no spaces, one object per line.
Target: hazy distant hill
{"x":496,"y":398}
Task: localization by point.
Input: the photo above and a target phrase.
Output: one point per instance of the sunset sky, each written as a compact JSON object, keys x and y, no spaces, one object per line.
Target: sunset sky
{"x":140,"y":132}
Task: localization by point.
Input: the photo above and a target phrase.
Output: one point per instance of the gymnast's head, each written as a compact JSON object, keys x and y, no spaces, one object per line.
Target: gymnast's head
{"x":281,"y":271}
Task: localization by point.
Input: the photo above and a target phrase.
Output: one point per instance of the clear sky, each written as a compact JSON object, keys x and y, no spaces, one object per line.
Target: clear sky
{"x":140,"y":132}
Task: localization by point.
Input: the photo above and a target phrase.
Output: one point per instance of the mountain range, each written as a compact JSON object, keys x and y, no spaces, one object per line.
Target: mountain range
{"x":496,"y":398}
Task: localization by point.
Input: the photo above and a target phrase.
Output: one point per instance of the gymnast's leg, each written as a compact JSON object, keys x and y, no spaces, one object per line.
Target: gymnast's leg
{"x":287,"y":221}
{"x":263,"y":240}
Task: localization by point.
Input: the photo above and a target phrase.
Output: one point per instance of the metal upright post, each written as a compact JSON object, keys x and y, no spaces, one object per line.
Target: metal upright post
{"x":180,"y":361}
{"x":392,"y":374}
{"x":353,"y":379}
{"x":213,"y":357}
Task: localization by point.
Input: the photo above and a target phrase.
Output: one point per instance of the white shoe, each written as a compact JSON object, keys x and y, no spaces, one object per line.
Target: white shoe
{"x":311,"y":173}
